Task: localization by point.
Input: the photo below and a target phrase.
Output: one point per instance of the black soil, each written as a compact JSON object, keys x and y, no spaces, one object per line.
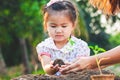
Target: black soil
{"x":81,"y":75}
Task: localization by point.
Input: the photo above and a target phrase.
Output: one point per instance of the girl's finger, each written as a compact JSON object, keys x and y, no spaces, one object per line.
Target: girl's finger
{"x":56,"y":66}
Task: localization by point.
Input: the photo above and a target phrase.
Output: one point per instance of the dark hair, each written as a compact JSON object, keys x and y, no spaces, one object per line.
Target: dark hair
{"x":61,"y":6}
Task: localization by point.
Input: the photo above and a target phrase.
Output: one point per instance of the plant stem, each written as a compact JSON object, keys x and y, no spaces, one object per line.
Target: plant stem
{"x":98,"y":64}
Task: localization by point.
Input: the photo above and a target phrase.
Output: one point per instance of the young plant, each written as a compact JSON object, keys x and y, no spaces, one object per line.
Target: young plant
{"x":96,"y":50}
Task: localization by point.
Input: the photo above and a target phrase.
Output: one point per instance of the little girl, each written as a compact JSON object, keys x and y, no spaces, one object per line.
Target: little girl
{"x":59,"y":21}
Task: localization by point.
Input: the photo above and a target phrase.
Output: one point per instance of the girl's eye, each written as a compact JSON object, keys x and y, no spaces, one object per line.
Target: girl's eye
{"x":53,"y":26}
{"x":64,"y":26}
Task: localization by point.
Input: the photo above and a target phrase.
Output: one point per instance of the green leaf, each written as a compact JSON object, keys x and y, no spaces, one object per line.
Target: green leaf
{"x":96,"y":49}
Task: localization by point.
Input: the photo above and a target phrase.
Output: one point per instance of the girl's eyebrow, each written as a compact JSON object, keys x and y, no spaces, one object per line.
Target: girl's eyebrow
{"x":53,"y":23}
{"x":64,"y":24}
{"x":56,"y":24}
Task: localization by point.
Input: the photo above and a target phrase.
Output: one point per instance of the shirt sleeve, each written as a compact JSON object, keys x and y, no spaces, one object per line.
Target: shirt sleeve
{"x":41,"y":50}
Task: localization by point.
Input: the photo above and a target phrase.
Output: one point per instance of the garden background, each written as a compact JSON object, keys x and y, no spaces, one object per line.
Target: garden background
{"x":21,"y":29}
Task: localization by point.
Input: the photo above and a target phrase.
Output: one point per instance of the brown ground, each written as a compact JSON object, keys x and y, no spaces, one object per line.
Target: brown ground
{"x":81,"y":75}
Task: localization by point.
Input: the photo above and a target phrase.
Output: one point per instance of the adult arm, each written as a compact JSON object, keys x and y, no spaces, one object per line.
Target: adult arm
{"x":112,"y":57}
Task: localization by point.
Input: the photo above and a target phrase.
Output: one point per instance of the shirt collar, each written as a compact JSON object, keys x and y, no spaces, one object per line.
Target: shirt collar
{"x":66,"y":49}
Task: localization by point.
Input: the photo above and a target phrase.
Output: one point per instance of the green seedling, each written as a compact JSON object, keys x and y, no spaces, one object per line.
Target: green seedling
{"x":96,"y":50}
{"x":71,"y":41}
{"x":70,"y":47}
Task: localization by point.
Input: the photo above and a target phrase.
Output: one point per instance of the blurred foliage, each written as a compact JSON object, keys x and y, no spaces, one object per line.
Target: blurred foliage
{"x":19,"y":19}
{"x":12,"y":72}
{"x":97,"y":34}
{"x":81,"y":28}
{"x":92,"y":19}
{"x":115,"y":40}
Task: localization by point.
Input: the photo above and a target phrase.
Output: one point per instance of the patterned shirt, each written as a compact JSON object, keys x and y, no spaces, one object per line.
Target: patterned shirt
{"x":70,"y":52}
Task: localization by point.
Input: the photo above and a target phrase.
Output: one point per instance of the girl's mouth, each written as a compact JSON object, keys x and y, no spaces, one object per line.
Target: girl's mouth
{"x":58,"y":35}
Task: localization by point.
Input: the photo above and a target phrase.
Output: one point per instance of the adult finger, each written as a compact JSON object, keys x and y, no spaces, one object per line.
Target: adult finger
{"x":68,"y":68}
{"x":63,"y":66}
{"x":74,"y":69}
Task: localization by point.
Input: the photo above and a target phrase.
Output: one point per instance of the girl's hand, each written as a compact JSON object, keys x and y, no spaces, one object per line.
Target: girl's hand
{"x":54,"y":67}
{"x":51,"y":69}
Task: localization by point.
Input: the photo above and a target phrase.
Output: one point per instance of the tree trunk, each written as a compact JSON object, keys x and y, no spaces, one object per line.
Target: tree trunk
{"x":2,"y":64}
{"x":25,"y":59}
{"x":34,"y":59}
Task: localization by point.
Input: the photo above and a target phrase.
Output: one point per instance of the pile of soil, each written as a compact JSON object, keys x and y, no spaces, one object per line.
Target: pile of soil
{"x":81,"y":75}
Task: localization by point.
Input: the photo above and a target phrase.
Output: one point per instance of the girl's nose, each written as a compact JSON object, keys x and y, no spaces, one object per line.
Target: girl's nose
{"x":58,"y":30}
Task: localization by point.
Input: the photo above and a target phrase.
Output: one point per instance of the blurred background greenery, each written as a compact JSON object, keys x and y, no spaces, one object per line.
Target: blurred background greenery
{"x":21,"y":29}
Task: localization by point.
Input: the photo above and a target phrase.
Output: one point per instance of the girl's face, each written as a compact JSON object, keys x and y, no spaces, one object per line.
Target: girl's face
{"x":59,"y":27}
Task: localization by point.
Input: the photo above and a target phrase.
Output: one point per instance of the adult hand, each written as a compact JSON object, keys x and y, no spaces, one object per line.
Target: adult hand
{"x":79,"y":64}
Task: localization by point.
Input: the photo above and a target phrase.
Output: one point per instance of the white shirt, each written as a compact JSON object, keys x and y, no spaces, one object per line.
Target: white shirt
{"x":70,"y":52}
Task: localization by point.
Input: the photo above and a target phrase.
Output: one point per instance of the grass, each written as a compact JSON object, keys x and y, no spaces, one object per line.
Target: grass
{"x":40,"y":71}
